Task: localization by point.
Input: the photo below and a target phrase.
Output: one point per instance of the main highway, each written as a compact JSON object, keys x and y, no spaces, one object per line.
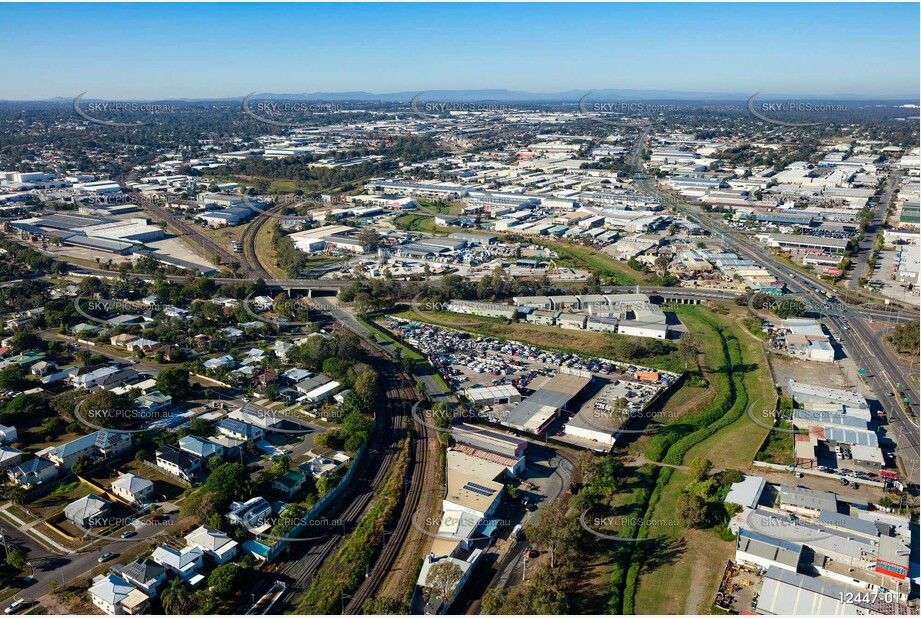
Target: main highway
{"x":882,"y":372}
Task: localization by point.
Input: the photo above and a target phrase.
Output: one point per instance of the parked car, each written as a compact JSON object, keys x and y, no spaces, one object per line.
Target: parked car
{"x":15,"y":606}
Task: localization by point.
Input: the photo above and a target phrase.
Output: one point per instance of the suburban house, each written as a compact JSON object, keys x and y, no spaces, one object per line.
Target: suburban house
{"x":104,"y":376}
{"x":42,"y":368}
{"x":8,"y":435}
{"x":234,"y":428}
{"x":184,"y":562}
{"x":199,"y":447}
{"x":36,"y":471}
{"x":230,"y":446}
{"x":105,"y":443}
{"x":322,"y":465}
{"x":133,"y":488}
{"x":250,"y":514}
{"x":214,"y":543}
{"x":289,"y":483}
{"x":116,"y":597}
{"x":9,"y":457}
{"x":111,"y":443}
{"x":220,"y":361}
{"x":151,"y":403}
{"x":178,"y":463}
{"x":88,"y":512}
{"x":145,"y":575}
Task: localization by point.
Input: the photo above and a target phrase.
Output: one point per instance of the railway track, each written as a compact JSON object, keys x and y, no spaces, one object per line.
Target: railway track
{"x":390,"y":551}
{"x":248,"y":240}
{"x":298,"y":573}
{"x":192,"y":232}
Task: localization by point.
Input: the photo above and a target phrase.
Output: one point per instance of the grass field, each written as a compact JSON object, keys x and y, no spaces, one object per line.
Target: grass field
{"x":54,"y":503}
{"x":615,"y":347}
{"x":735,"y":446}
{"x":595,"y":261}
{"x":441,"y":207}
{"x":265,"y":249}
{"x":692,"y":576}
{"x":419,"y":223}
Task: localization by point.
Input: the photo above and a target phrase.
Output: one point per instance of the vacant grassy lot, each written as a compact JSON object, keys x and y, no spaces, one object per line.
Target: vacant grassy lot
{"x":595,"y":261}
{"x":419,"y":223}
{"x":735,"y":446}
{"x":691,"y":573}
{"x":54,"y":503}
{"x":265,"y":249}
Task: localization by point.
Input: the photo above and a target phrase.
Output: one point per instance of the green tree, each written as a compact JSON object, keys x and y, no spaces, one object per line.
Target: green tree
{"x":177,"y":598}
{"x":691,"y":510}
{"x":688,"y":348}
{"x":16,"y":558}
{"x":174,"y":381}
{"x":441,"y":581}
{"x":82,"y":464}
{"x":225,"y":579}
{"x":12,"y":377}
{"x":26,"y":340}
{"x":228,"y":482}
{"x":699,"y":468}
{"x":199,"y":427}
{"x":555,"y":531}
{"x":15,"y":493}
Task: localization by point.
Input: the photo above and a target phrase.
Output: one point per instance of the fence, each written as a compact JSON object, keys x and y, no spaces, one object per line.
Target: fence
{"x":315,"y":511}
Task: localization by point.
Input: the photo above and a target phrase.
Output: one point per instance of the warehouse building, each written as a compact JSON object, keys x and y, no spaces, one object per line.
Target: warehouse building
{"x":796,"y":242}
{"x":755,"y":549}
{"x":536,"y":413}
{"x":493,"y":395}
{"x":134,"y":229}
{"x":804,"y":394}
{"x":491,"y":310}
{"x":489,"y":440}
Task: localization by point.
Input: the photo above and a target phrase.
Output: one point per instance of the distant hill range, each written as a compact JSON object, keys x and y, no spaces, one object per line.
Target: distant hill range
{"x":518,"y":96}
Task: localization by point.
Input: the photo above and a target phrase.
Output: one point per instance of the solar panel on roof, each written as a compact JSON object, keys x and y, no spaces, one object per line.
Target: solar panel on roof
{"x":479,"y":489}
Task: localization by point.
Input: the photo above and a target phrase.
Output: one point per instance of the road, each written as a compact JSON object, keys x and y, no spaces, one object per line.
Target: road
{"x":866,"y":246}
{"x":557,"y":484}
{"x":53,"y":567}
{"x":870,"y":354}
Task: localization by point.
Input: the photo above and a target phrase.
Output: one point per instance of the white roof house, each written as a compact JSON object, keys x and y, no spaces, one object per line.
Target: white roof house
{"x":214,"y":543}
{"x":185,"y":562}
{"x":133,"y":488}
{"x":113,"y":595}
{"x":746,"y":492}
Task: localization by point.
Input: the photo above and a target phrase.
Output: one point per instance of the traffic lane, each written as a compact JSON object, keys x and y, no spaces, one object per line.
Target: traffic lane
{"x":51,"y":567}
{"x":859,"y":325}
{"x":887,"y":369}
{"x":871,"y":357}
{"x":899,"y":416}
{"x":907,"y":435}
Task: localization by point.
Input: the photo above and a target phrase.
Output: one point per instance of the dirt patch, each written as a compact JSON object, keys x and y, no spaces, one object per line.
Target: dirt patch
{"x":785,"y":368}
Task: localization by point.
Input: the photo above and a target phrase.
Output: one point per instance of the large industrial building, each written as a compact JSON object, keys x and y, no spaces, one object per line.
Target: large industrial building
{"x":536,"y":413}
{"x":335,"y":237}
{"x":119,"y":236}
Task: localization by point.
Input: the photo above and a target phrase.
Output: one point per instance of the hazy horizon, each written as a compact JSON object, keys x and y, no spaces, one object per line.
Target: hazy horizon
{"x":221,"y":51}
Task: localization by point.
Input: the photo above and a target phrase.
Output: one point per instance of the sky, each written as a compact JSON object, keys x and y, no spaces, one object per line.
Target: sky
{"x":160,"y":51}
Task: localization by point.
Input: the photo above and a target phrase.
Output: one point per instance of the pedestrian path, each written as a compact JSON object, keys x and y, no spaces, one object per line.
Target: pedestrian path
{"x":31,"y":531}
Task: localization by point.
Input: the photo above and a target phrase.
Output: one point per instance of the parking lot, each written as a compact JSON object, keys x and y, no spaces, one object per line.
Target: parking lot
{"x":466,"y":361}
